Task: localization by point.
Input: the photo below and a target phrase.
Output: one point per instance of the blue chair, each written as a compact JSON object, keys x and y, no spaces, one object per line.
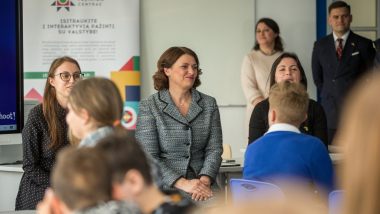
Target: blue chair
{"x":336,"y":201}
{"x":245,"y":191}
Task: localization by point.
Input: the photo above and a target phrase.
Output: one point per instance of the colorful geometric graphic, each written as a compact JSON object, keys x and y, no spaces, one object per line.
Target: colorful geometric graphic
{"x":130,"y":115}
{"x":33,"y":94}
{"x":122,"y":79}
{"x":63,"y":3}
{"x":127,"y":81}
{"x":132,"y":93}
{"x":132,"y":65}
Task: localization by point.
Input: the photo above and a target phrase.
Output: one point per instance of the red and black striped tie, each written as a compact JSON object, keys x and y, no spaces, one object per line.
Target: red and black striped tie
{"x":339,"y":50}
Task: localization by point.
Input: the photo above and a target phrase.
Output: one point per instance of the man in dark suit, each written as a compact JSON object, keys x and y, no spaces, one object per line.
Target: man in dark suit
{"x":338,"y":60}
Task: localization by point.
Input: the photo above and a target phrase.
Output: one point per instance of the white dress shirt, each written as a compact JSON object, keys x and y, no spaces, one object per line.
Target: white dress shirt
{"x":344,"y":37}
{"x":282,"y":127}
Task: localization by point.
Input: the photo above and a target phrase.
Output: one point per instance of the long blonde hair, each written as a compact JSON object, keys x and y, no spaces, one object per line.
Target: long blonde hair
{"x":359,"y":135}
{"x":102,"y":99}
{"x":50,"y":104}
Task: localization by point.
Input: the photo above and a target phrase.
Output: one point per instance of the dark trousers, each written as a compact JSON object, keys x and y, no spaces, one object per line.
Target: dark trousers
{"x":330,"y":135}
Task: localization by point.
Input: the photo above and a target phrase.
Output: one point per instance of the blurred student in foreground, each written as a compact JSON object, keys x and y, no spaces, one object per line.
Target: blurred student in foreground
{"x":284,"y":155}
{"x":82,"y":184}
{"x":359,"y":135}
{"x":132,"y":181}
{"x":94,"y":180}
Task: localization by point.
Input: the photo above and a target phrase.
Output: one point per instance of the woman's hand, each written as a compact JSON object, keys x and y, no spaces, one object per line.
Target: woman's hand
{"x":207,"y":181}
{"x":195,"y":186}
{"x":47,"y":205}
{"x":257,"y":100}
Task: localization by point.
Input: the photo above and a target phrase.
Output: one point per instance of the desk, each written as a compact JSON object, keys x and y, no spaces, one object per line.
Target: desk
{"x":10,"y":177}
{"x":227,"y":173}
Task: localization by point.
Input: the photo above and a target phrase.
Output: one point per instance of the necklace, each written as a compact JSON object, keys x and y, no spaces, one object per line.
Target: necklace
{"x":268,"y":54}
{"x":184,"y":101}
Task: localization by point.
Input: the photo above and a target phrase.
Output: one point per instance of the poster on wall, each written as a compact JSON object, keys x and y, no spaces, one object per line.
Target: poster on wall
{"x":102,"y":35}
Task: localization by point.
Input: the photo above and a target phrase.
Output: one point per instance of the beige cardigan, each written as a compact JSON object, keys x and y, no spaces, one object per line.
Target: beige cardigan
{"x":255,"y":72}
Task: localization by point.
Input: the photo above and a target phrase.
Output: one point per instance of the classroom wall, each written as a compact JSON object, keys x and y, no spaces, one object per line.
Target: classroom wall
{"x":192,"y":27}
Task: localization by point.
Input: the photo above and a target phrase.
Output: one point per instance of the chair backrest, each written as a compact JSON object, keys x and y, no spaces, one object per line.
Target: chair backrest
{"x":226,"y":151}
{"x":248,"y":191}
{"x":336,"y":201}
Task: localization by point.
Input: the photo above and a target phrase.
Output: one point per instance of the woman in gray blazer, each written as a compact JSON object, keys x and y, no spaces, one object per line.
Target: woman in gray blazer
{"x":180,"y":127}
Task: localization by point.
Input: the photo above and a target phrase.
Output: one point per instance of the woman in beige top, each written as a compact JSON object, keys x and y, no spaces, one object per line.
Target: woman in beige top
{"x":257,"y":64}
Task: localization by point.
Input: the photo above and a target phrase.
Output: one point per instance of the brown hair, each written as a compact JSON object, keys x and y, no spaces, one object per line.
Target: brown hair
{"x":272,"y":74}
{"x":167,"y":59}
{"x":359,"y":136}
{"x":339,"y":4}
{"x":124,"y":154}
{"x":82,"y":177}
{"x":290,"y":101}
{"x":50,"y":104}
{"x":102,"y":99}
{"x":278,"y":46}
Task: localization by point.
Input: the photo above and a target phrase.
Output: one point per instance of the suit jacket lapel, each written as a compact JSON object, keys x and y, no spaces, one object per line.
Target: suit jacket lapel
{"x":171,"y":109}
{"x":347,"y":51}
{"x":194,"y":109}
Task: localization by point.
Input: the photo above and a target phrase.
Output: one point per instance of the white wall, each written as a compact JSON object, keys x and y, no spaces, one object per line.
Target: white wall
{"x":221,"y":32}
{"x":192,"y":23}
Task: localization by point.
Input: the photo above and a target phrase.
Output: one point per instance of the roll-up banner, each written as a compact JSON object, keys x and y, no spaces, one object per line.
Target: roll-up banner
{"x":102,"y":35}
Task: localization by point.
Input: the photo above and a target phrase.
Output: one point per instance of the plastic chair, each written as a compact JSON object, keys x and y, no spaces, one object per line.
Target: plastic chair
{"x":226,"y":151}
{"x":336,"y":201}
{"x":248,"y":191}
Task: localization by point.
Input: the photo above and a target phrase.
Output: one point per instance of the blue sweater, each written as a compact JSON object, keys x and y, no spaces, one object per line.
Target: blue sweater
{"x":283,"y":157}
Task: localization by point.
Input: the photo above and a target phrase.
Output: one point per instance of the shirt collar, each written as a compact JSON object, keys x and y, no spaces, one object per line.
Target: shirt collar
{"x":93,"y":138}
{"x":344,"y":37}
{"x":282,"y":127}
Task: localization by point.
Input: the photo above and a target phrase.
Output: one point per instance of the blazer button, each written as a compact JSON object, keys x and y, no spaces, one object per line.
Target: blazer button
{"x":187,"y":144}
{"x":187,"y":157}
{"x":186,"y":128}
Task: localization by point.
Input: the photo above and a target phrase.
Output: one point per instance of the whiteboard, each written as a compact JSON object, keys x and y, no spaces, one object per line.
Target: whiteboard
{"x":220,"y":32}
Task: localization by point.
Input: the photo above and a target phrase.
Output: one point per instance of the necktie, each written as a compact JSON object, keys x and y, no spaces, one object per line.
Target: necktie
{"x":339,"y":49}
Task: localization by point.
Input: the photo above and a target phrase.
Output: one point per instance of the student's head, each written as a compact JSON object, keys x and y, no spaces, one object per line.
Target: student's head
{"x":177,"y":66}
{"x":64,"y":72}
{"x":340,"y":17}
{"x":359,"y":135}
{"x":129,"y":166}
{"x":267,"y":33}
{"x":81,"y":178}
{"x":287,"y":67}
{"x":288,"y":103}
{"x":94,"y":103}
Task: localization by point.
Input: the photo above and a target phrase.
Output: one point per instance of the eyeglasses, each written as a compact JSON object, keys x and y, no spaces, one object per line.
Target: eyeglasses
{"x":66,"y":77}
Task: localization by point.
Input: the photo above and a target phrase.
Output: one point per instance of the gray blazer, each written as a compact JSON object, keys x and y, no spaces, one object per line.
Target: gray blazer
{"x":177,"y":142}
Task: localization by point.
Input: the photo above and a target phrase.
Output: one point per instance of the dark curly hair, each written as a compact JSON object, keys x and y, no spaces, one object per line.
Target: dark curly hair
{"x":167,"y":59}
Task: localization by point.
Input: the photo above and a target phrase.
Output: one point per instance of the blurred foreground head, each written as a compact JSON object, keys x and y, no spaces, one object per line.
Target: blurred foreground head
{"x":81,"y":178}
{"x":359,"y":136}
